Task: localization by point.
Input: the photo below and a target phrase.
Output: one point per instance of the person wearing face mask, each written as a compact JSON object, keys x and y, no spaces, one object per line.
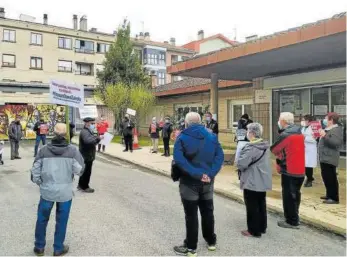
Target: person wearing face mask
{"x":127,"y":130}
{"x":241,"y":133}
{"x":15,"y":135}
{"x":211,"y":124}
{"x":289,"y":150}
{"x":153,"y":132}
{"x":87,"y":146}
{"x":330,"y":143}
{"x":102,"y":128}
{"x":310,"y":149}
{"x":166,"y":133}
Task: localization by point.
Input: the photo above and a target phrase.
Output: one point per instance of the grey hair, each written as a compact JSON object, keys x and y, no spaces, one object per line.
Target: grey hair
{"x":256,"y":129}
{"x":193,"y":118}
{"x":287,"y":117}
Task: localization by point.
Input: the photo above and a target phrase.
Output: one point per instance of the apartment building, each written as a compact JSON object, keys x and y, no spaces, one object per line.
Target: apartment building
{"x":32,"y":52}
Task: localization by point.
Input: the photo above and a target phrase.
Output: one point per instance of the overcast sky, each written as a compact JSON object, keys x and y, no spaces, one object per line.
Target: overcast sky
{"x":182,"y":18}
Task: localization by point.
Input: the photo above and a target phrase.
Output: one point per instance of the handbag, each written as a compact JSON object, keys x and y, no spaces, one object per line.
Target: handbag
{"x":253,"y":162}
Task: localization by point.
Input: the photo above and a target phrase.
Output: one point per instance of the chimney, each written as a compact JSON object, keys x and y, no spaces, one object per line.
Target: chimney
{"x":251,"y":38}
{"x":45,"y":19}
{"x":2,"y":12}
{"x":74,"y":22}
{"x":93,"y":30}
{"x":147,"y":36}
{"x":141,"y":36}
{"x":172,"y":41}
{"x":201,"y":34}
{"x":154,"y":79}
{"x":83,"y":23}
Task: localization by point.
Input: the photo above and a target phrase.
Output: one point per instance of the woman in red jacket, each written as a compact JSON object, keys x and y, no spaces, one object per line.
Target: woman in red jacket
{"x":102,"y":128}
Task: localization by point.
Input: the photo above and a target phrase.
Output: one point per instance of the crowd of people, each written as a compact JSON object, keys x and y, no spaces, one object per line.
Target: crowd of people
{"x":197,"y":159}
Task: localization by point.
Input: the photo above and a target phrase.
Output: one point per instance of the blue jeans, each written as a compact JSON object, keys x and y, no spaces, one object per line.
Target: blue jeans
{"x":39,"y":138}
{"x":62,"y":217}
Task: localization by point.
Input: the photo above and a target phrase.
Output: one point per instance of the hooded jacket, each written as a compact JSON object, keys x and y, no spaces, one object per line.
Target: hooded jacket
{"x":197,"y":152}
{"x":54,"y":168}
{"x":289,"y":150}
{"x":255,"y":176}
{"x":329,"y":146}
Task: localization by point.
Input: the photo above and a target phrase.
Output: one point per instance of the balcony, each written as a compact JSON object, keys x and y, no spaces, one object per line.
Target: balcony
{"x":84,"y":51}
{"x":84,"y":69}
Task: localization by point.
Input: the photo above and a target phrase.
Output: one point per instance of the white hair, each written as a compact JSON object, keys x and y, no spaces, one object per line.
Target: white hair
{"x":193,"y":118}
{"x":60,"y":129}
{"x":287,"y":117}
{"x":256,"y":129}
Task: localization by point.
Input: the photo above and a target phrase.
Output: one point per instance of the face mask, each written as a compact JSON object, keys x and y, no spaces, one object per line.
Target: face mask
{"x":92,"y":127}
{"x":303,"y":123}
{"x":325,"y":122}
{"x":208,"y":119}
{"x":182,"y":123}
{"x":167,"y":121}
{"x":279,"y":125}
{"x":153,"y":121}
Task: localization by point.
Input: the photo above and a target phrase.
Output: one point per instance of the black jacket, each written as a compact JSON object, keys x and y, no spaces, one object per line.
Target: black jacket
{"x":126,"y":129}
{"x":88,"y":141}
{"x":213,"y":125}
{"x":167,"y":130}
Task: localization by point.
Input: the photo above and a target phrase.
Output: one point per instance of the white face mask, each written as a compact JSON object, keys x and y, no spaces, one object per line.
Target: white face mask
{"x":303,"y":123}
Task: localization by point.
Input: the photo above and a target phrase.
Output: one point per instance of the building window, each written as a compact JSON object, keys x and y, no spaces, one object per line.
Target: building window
{"x":82,"y":46}
{"x":36,"y":39}
{"x":161,"y":78}
{"x":102,"y":48}
{"x":8,"y":60}
{"x":84,"y":69}
{"x":9,"y":35}
{"x":64,"y":43}
{"x":151,"y":59}
{"x":36,"y":63}
{"x":64,"y":66}
{"x":236,"y":110}
{"x":162,"y":58}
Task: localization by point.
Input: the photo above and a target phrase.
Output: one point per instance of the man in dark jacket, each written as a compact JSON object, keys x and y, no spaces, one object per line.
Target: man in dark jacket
{"x":199,"y":157}
{"x":15,"y":135}
{"x":166,"y":132}
{"x":211,"y":124}
{"x":41,"y":129}
{"x":127,"y":131}
{"x":289,"y":150}
{"x":87,"y":146}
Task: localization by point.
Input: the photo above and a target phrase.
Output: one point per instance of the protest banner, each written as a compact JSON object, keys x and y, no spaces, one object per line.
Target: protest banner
{"x":88,"y":111}
{"x":66,"y":94}
{"x":131,"y":112}
{"x":315,"y":126}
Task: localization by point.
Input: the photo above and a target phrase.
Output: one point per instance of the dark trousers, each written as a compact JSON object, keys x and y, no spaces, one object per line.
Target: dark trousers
{"x":309,"y":174}
{"x":62,"y":217}
{"x":256,"y":211}
{"x":331,"y":183}
{"x":85,"y":178}
{"x":39,"y":138}
{"x":166,"y":142}
{"x":14,"y":148}
{"x":99,"y":147}
{"x":291,"y":197}
{"x":194,"y":197}
{"x":128,"y":140}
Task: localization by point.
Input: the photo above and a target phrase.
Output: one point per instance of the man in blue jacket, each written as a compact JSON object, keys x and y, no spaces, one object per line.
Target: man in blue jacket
{"x":199,"y":157}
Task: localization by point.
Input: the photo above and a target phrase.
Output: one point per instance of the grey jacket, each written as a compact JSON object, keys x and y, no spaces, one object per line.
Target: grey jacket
{"x":329,"y":146}
{"x":15,"y":131}
{"x":54,"y":168}
{"x":258,"y":176}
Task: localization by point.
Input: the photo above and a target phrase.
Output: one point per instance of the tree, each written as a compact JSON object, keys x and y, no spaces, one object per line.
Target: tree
{"x":123,"y":82}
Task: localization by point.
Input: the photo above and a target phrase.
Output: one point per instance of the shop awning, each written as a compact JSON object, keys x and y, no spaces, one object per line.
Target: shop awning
{"x":311,"y":46}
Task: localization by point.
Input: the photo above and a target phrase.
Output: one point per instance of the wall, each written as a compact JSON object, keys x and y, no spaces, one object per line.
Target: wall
{"x":212,"y":45}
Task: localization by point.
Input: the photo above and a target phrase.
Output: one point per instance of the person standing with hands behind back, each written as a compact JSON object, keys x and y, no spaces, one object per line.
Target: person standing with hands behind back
{"x":127,"y":131}
{"x":15,"y":135}
{"x":331,"y":140}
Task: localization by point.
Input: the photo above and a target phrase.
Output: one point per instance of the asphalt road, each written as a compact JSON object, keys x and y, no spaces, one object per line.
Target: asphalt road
{"x":134,"y":212}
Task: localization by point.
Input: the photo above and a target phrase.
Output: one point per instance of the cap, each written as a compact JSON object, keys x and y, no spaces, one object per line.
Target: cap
{"x":88,"y":119}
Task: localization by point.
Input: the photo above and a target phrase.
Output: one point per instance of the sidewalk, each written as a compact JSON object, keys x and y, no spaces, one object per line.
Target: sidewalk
{"x":312,"y":212}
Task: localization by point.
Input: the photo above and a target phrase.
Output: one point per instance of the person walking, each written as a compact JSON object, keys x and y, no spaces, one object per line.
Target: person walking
{"x":15,"y":135}
{"x":53,"y":170}
{"x":153,"y":132}
{"x":87,"y":146}
{"x":289,"y":150}
{"x":127,"y":130}
{"x":310,"y":149}
{"x":41,"y":129}
{"x":330,"y":143}
{"x":102,"y":128}
{"x":198,"y":157}
{"x":255,"y":179}
{"x":166,"y":133}
{"x":211,"y":124}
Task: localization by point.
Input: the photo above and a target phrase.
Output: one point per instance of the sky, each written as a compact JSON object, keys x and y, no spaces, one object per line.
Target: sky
{"x":181,"y":19}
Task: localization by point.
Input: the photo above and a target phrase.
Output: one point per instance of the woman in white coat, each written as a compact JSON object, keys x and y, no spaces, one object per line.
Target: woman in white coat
{"x":310,"y":149}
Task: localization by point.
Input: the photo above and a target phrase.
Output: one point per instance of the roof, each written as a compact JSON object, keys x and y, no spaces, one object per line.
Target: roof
{"x":195,"y":45}
{"x":299,"y":36}
{"x":164,"y":45}
{"x":193,"y":85}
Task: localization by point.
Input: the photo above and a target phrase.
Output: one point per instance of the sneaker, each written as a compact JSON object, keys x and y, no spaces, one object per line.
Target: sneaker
{"x":184,"y":251}
{"x":125,"y":151}
{"x":89,"y":190}
{"x":247,"y":233}
{"x":18,"y":157}
{"x":324,"y":198}
{"x":308,"y":184}
{"x":284,"y":224}
{"x":63,"y":252}
{"x":163,"y":154}
{"x":330,"y":201}
{"x":39,"y":252}
{"x":211,"y":247}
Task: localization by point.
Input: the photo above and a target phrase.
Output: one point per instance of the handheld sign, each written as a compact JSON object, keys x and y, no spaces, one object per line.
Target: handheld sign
{"x":64,"y":93}
{"x":315,"y":126}
{"x":43,"y":129}
{"x":131,"y":112}
{"x":88,"y":111}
